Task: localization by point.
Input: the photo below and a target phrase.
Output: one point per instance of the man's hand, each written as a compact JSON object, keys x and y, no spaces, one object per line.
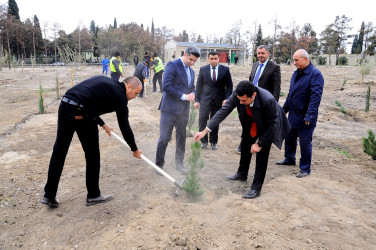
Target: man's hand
{"x":108,"y":129}
{"x":255,"y":148}
{"x":200,"y":135}
{"x":224,"y":102}
{"x":137,"y":154}
{"x":307,"y":122}
{"x":197,"y":105}
{"x":190,"y":97}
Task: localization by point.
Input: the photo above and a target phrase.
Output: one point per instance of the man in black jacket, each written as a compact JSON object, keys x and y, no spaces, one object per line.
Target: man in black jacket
{"x":263,"y":122}
{"x":79,"y":112}
{"x":213,"y":87}
{"x":265,"y":74}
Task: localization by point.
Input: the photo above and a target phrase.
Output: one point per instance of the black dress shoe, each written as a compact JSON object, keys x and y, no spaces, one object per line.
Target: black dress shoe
{"x":181,"y":168}
{"x":285,"y":162}
{"x":236,"y":177}
{"x":50,"y":202}
{"x":204,"y":145}
{"x":214,"y":146}
{"x":251,"y":194}
{"x":99,"y":199}
{"x":238,"y":150}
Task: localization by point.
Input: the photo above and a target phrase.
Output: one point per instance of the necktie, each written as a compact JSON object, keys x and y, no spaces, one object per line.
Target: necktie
{"x":188,"y":75}
{"x":257,"y":77}
{"x":214,"y":76}
{"x":253,"y":131}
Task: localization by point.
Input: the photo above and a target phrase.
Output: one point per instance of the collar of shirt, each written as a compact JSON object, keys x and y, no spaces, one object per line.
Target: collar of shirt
{"x":216,"y":71}
{"x":181,"y":59}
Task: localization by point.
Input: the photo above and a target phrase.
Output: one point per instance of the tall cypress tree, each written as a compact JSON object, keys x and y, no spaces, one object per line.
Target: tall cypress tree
{"x":115,"y":23}
{"x":13,"y":9}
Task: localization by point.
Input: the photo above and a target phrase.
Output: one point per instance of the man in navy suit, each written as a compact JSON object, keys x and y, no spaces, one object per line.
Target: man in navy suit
{"x":178,"y":91}
{"x":213,"y":87}
{"x":265,"y":74}
{"x":263,"y":122}
{"x":302,"y":103}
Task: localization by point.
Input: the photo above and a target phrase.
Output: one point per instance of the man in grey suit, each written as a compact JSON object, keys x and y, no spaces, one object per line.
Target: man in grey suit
{"x":263,"y":122}
{"x":178,"y":91}
{"x":265,"y":74}
{"x":213,"y":87}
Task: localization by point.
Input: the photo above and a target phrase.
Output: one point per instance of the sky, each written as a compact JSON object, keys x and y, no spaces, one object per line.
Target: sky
{"x":207,"y":18}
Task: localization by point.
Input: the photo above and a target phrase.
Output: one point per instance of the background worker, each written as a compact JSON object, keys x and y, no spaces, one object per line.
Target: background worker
{"x":178,"y":92}
{"x":157,"y":65}
{"x":135,"y":59}
{"x":140,"y":73}
{"x":105,"y":63}
{"x":213,"y":87}
{"x":265,"y":74}
{"x":79,"y":112}
{"x":302,"y":104}
{"x":116,"y":67}
{"x":147,"y":57}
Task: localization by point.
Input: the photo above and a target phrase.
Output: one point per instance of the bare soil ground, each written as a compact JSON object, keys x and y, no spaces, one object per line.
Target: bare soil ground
{"x":333,"y":208}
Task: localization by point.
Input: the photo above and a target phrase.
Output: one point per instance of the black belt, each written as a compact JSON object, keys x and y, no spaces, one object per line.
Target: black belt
{"x":71,"y":102}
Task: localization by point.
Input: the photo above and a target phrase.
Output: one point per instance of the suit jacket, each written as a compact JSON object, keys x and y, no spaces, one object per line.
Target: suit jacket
{"x":207,"y":90}
{"x":174,"y":85}
{"x":304,"y":97}
{"x":270,"y":78}
{"x":271,"y":121}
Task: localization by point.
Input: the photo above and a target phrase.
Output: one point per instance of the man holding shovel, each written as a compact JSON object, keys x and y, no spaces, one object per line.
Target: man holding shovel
{"x":79,"y":112}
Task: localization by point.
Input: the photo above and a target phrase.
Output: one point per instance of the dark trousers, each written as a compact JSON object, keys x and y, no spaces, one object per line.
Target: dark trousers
{"x":262,"y":158}
{"x":205,"y":112}
{"x":115,"y":76}
{"x":87,"y":131}
{"x":157,"y":76}
{"x":167,"y":123}
{"x":143,"y":86}
{"x":305,"y":142}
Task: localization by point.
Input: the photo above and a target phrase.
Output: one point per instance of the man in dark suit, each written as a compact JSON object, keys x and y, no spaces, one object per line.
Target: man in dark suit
{"x":302,"y":103}
{"x":263,"y":122}
{"x":178,"y":92}
{"x":265,"y":74}
{"x":213,"y":87}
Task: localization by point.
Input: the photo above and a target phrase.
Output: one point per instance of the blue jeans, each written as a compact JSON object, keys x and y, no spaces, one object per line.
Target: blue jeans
{"x":305,"y":142}
{"x":105,"y":69}
{"x":167,"y":123}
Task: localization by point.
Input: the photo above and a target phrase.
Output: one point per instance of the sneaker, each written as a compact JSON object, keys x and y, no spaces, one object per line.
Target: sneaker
{"x":99,"y":199}
{"x":302,"y":174}
{"x":180,"y":167}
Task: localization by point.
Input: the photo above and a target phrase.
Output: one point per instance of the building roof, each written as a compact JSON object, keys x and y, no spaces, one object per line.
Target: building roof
{"x":209,"y":45}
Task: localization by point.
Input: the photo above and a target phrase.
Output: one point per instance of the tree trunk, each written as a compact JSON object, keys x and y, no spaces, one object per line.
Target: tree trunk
{"x":8,"y":50}
{"x":368,"y":97}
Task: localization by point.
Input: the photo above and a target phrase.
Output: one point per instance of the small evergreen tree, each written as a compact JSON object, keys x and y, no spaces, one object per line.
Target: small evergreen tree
{"x":191,"y":120}
{"x":192,"y":184}
{"x":369,"y":145}
{"x":41,"y":100}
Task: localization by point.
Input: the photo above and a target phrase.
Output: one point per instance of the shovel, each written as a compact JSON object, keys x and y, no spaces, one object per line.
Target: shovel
{"x":153,"y":165}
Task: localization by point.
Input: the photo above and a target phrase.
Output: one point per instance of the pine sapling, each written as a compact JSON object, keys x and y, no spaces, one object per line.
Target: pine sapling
{"x":192,"y":184}
{"x":191,"y":120}
{"x":57,"y":87}
{"x":339,"y":105}
{"x":41,"y":100}
{"x":369,"y":144}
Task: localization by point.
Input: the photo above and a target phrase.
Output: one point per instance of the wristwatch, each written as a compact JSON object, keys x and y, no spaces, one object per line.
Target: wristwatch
{"x":260,"y":144}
